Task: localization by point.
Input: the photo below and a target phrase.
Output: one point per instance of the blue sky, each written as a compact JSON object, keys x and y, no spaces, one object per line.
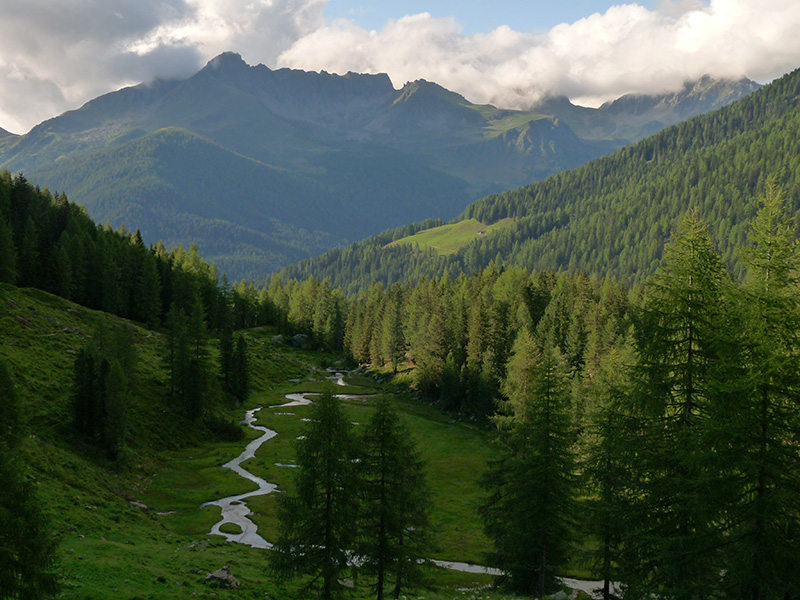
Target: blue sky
{"x":533,"y":16}
{"x":56,"y":55}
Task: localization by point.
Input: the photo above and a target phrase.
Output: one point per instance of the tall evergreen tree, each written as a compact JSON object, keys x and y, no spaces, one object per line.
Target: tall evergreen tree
{"x":176,"y":348}
{"x":395,"y":498}
{"x":27,"y":550}
{"x":682,"y":383}
{"x":316,"y":524}
{"x":606,"y":466}
{"x":764,"y":424}
{"x":146,"y":293}
{"x":393,"y":338}
{"x":530,"y":509}
{"x":8,"y":253}
{"x":103,"y":371}
{"x":28,"y":252}
{"x":241,"y":370}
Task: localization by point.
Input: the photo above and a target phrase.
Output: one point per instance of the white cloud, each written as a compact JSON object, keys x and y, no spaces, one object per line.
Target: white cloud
{"x":626,"y":49}
{"x":56,"y":54}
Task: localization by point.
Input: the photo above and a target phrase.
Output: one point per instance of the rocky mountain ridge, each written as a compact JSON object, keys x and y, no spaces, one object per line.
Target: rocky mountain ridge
{"x":265,"y":167}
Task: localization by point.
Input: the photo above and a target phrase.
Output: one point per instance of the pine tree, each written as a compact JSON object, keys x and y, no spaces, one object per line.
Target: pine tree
{"x":395,"y":498}
{"x":530,"y":508}
{"x":316,"y":524}
{"x":103,"y":373}
{"x":226,"y":349}
{"x":176,"y":348}
{"x":393,"y":339}
{"x":116,"y":402}
{"x":28,"y":255}
{"x":146,"y":293}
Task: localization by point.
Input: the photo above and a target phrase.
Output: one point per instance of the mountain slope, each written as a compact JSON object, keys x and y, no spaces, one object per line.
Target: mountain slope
{"x":613,"y":215}
{"x":263,"y":168}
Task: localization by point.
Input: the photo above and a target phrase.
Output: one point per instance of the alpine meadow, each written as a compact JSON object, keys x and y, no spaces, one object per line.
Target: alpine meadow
{"x":281,"y":333}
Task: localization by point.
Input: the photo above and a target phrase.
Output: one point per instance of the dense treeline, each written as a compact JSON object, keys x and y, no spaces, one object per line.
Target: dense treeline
{"x":49,"y":243}
{"x":671,"y":409}
{"x":613,"y":215}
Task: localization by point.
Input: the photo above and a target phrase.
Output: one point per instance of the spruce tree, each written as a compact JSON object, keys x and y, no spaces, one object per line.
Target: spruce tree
{"x":316,"y":524}
{"x":606,"y":465}
{"x":392,"y":338}
{"x":241,"y":370}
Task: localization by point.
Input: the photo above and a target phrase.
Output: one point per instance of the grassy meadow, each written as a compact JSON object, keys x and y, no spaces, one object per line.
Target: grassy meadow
{"x":450,"y":238}
{"x":133,"y":529}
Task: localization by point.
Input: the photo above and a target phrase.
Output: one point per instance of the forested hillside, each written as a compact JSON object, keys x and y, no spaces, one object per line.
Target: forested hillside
{"x":613,"y":215}
{"x":263,"y":168}
{"x":658,"y":425}
{"x":648,"y":432}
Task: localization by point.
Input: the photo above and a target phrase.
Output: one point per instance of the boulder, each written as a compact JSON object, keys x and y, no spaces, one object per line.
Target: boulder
{"x":222,"y":578}
{"x":278,"y":339}
{"x":301,"y":340}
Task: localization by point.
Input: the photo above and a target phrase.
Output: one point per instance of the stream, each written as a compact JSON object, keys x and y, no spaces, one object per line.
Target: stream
{"x":235,"y":511}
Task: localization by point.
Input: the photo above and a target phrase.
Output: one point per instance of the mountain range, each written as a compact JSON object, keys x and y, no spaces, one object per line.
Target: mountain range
{"x":611,"y":216}
{"x":262,"y":168}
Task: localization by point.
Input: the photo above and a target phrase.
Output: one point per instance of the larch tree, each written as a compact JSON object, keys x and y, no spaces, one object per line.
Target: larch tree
{"x":764,"y":424}
{"x":27,"y":550}
{"x":316,"y":524}
{"x":684,"y":378}
{"x":395,"y":522}
{"x":530,"y":509}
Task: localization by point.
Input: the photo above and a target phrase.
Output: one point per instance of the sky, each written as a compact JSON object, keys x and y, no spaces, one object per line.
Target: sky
{"x":56,"y":55}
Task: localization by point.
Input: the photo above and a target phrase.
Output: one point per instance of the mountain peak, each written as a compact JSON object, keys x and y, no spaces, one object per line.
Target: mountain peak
{"x":227,"y":61}
{"x":702,"y":95}
{"x":421,"y":88}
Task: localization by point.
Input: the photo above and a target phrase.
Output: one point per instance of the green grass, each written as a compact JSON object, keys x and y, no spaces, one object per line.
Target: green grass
{"x":510,"y":122}
{"x":110,"y":548}
{"x":450,"y":238}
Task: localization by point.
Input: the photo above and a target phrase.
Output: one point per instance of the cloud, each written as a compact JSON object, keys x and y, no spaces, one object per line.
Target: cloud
{"x":57,"y":54}
{"x":626,"y":49}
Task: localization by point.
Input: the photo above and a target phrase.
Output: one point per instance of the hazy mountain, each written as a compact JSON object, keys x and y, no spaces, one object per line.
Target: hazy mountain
{"x":265,"y":167}
{"x":612,"y":215}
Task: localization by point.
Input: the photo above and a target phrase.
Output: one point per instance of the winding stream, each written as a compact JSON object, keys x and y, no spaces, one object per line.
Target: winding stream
{"x":235,"y":511}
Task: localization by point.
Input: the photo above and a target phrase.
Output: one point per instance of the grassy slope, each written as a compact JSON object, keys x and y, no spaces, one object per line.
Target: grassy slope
{"x":450,"y":238}
{"x":111,"y":549}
